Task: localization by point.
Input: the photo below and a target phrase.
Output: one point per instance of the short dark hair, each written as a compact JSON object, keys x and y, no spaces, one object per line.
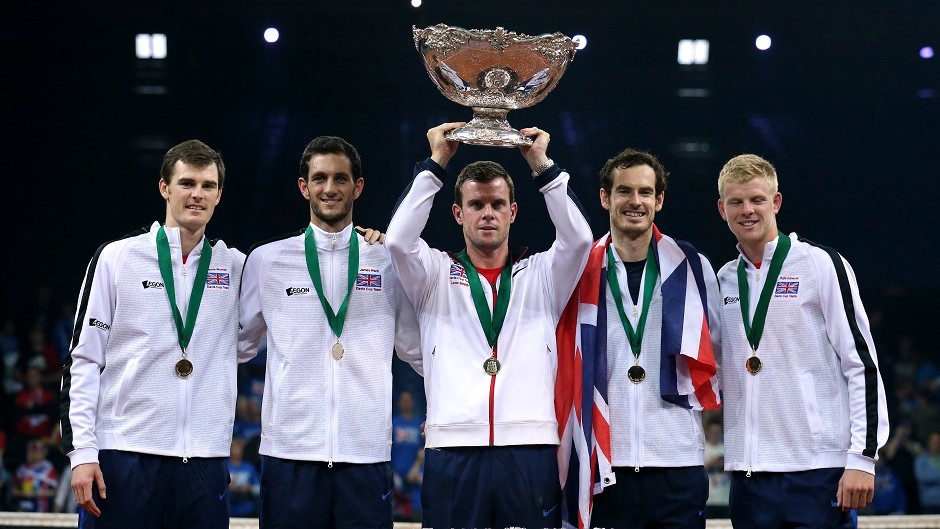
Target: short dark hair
{"x":194,"y":153}
{"x":633,"y":158}
{"x":331,"y":145}
{"x":482,"y":171}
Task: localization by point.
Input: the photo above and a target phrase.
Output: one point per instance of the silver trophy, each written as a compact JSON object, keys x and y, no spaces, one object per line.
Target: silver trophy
{"x":493,"y":71}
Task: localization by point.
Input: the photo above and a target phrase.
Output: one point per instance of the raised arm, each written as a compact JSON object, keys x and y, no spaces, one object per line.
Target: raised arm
{"x":568,"y":254}
{"x":411,"y":256}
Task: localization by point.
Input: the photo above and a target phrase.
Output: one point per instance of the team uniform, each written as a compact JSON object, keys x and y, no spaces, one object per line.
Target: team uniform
{"x":649,"y":442}
{"x":490,"y":448}
{"x":161,"y":439}
{"x":326,"y":421}
{"x":816,"y":406}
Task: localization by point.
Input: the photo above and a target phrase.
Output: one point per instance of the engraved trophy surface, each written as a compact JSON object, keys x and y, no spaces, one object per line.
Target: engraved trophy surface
{"x":492,"y":71}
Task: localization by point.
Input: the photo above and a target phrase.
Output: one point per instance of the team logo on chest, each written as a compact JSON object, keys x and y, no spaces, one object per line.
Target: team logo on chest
{"x":787,"y":287}
{"x":369,"y":280}
{"x":218,"y":278}
{"x":297,"y":291}
{"x":152,"y":284}
{"x":458,"y":275}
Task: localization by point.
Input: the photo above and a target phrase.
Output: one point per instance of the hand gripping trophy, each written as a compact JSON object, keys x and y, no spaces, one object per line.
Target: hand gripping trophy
{"x":492,"y":71}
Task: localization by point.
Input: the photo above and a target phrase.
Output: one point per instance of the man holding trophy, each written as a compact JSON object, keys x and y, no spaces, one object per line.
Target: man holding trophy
{"x":487,"y":317}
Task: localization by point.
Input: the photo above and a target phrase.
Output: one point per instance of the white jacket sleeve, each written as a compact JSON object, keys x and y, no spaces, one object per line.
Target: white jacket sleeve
{"x":81,"y":375}
{"x":573,"y":239}
{"x":414,"y":261}
{"x":251,"y":324}
{"x":850,"y":335}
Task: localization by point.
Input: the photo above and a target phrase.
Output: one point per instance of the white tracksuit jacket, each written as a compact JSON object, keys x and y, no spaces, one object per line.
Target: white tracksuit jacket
{"x":818,"y":401}
{"x":467,"y":407}
{"x":316,"y":408}
{"x":119,"y":385}
{"x":645,"y":430}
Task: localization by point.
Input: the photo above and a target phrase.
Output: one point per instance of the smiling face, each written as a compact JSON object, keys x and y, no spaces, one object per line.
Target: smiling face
{"x":485,"y":214}
{"x":632,"y":201}
{"x":750,"y":209}
{"x":331,"y":189}
{"x":191,"y":195}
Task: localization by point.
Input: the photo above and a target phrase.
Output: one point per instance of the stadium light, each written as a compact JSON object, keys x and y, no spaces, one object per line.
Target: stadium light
{"x":580,"y":41}
{"x":271,"y":35}
{"x":762,"y":42}
{"x":693,"y":51}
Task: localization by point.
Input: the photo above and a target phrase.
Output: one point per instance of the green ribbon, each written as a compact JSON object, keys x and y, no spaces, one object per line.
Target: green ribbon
{"x":634,"y":337}
{"x":491,"y":324}
{"x":336,"y":320}
{"x":183,"y":333}
{"x":755,"y":331}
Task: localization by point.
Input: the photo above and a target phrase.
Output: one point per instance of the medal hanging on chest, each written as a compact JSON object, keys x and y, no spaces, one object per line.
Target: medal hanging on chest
{"x":338,"y":319}
{"x":636,"y":373}
{"x":184,"y":333}
{"x":491,"y":323}
{"x":754,"y":331}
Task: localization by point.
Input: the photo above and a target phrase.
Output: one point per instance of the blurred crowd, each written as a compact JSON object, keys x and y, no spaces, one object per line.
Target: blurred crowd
{"x":35,"y":474}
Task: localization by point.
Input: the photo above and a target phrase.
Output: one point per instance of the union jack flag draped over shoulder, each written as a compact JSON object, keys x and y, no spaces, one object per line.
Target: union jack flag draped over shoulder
{"x":687,"y":366}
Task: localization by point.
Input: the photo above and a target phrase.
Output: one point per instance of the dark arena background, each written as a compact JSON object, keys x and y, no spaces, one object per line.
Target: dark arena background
{"x":844,"y":99}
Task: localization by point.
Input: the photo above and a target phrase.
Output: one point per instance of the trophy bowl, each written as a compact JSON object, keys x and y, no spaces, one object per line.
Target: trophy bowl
{"x":492,"y":71}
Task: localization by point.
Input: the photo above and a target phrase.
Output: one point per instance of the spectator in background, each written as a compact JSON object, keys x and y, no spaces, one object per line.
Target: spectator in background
{"x":40,"y":353}
{"x":719,"y":481}
{"x":899,"y":454}
{"x":10,"y":351}
{"x":62,"y":331}
{"x":245,"y":487}
{"x":889,"y":492}
{"x":926,"y":416}
{"x":927,"y":471}
{"x":406,"y":446}
{"x":34,"y":406}
{"x":247,"y":417}
{"x":36,"y":480}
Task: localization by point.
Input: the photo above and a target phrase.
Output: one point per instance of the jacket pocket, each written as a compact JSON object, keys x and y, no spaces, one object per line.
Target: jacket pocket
{"x":124,"y":386}
{"x":811,"y":405}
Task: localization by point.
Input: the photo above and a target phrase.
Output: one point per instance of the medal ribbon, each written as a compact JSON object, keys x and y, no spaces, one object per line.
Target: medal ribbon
{"x":183,"y":333}
{"x":635,"y":337}
{"x":491,"y":324}
{"x":755,"y":331}
{"x":336,"y":320}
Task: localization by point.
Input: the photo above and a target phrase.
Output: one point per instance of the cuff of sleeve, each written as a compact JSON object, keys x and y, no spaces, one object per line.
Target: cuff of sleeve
{"x":81,"y":456}
{"x":860,"y":462}
{"x":431,"y":165}
{"x":547,"y":176}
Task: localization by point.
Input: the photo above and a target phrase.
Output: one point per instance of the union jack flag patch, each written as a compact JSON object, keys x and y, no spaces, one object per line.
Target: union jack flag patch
{"x":787,"y":287}
{"x":458,"y":272}
{"x":369,"y":280}
{"x":218,"y":279}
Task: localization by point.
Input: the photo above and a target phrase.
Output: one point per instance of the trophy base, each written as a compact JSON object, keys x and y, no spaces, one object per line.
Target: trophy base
{"x":489,"y":127}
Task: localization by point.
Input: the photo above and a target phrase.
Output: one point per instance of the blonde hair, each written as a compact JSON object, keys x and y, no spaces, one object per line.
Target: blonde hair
{"x":744,"y":168}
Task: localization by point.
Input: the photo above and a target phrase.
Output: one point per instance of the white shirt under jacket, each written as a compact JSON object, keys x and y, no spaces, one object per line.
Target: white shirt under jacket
{"x":453,"y":344}
{"x":317,"y":408}
{"x":818,"y":401}
{"x":120,"y":389}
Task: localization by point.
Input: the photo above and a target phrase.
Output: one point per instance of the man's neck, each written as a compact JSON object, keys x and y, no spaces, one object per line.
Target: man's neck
{"x":488,"y":259}
{"x":632,"y":249}
{"x":755,"y":252}
{"x":188,"y":237}
{"x":330,"y":227}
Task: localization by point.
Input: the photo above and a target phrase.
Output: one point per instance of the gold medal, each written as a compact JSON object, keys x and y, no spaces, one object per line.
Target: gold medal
{"x":636,"y":374}
{"x":184,"y":368}
{"x":491,"y":366}
{"x":337,"y":351}
{"x":753,"y":365}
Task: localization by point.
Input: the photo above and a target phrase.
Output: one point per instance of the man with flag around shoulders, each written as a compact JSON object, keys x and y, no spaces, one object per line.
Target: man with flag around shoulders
{"x":805,"y":410}
{"x":148,"y":389}
{"x":487,"y":317}
{"x":332,"y":309}
{"x":637,"y":343}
